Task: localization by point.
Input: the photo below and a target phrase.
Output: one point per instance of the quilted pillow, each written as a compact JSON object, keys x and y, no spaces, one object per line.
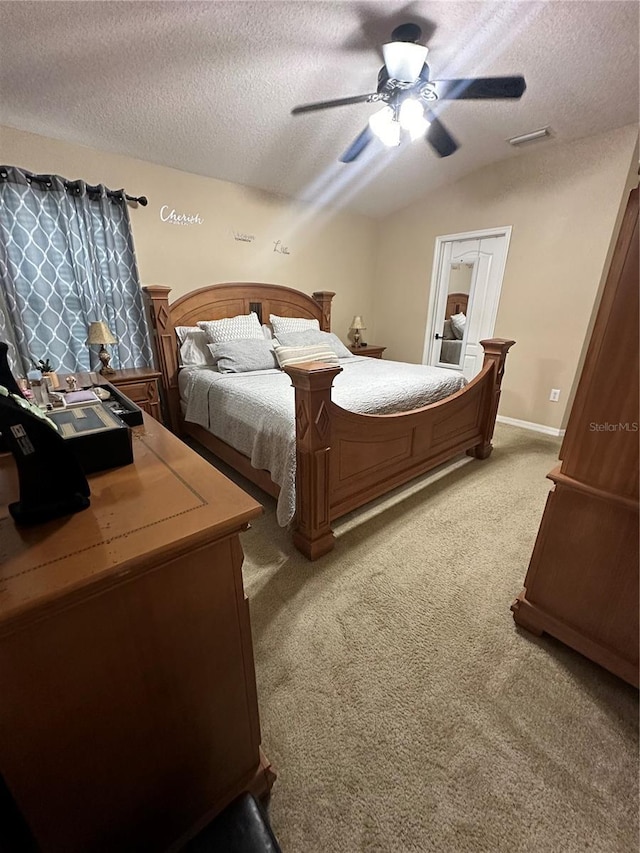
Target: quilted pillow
{"x":232,"y":328}
{"x":314,"y":336}
{"x":288,"y":356}
{"x":193,"y":346}
{"x":457,"y":325}
{"x":243,"y":355}
{"x":282,"y":325}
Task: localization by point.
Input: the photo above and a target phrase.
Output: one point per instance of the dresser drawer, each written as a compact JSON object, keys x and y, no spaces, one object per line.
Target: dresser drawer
{"x":142,"y":387}
{"x":139,"y":392}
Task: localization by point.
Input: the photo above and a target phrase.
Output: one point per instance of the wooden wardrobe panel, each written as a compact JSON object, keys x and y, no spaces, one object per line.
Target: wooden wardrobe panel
{"x":582,"y":582}
{"x":577,"y":590}
{"x":601,"y":442}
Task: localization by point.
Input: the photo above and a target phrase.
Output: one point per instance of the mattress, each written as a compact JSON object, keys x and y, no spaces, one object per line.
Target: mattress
{"x":254,"y":412}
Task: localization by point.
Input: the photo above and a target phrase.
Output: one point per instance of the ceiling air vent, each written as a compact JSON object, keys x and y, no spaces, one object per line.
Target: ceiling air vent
{"x":530,"y":137}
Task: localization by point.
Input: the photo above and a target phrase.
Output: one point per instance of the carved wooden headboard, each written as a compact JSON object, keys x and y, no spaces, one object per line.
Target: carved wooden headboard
{"x":456,"y":304}
{"x":213,"y":303}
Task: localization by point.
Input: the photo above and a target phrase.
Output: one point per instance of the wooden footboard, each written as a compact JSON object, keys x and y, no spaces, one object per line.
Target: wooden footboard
{"x":345,"y":459}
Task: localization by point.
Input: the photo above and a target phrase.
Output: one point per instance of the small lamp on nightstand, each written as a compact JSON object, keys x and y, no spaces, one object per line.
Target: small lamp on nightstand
{"x":99,"y":333}
{"x":356,"y":327}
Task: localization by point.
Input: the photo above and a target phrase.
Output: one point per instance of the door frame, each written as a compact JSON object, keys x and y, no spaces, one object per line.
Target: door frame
{"x":438,"y":259}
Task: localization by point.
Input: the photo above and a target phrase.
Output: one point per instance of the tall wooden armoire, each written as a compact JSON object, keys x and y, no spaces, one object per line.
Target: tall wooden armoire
{"x":582,"y":582}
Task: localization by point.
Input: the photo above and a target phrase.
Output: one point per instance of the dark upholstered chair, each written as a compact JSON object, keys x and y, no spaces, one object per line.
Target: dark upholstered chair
{"x":241,"y":828}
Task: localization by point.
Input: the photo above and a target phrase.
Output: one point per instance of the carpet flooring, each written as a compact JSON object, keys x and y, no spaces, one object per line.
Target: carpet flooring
{"x":400,"y":705}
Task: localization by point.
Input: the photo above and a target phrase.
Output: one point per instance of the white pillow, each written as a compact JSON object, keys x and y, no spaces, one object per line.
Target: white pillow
{"x":288,"y":356}
{"x":282,"y":325}
{"x":313,"y":336}
{"x":193,"y":346}
{"x":457,"y":325}
{"x":232,"y":328}
{"x":266,"y":331}
{"x":243,"y":355}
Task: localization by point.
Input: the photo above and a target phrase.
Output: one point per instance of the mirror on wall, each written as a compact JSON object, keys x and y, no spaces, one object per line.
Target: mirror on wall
{"x":456,"y":310}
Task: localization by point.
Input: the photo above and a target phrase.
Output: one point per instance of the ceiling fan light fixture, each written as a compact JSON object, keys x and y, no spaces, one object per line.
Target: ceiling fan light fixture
{"x":412,"y":118}
{"x":404,"y":60}
{"x":404,"y":79}
{"x":385,"y":127}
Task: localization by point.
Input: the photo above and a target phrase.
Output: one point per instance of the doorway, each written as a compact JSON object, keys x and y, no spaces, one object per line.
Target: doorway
{"x":465,"y":291}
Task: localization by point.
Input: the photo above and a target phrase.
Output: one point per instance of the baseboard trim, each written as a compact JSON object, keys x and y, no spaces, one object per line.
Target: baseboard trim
{"x":547,"y":430}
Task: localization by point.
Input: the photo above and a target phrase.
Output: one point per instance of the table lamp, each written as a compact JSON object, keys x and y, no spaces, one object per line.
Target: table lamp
{"x":99,"y":333}
{"x":357,"y":325}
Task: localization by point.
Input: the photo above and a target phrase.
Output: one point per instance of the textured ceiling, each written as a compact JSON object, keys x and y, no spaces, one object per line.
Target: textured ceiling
{"x":208,"y":87}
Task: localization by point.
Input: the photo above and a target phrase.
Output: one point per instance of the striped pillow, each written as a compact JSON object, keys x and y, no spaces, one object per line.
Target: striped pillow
{"x":313,"y":336}
{"x":288,"y":356}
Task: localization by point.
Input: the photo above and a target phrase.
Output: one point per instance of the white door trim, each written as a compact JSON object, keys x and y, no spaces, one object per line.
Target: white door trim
{"x":438,"y":257}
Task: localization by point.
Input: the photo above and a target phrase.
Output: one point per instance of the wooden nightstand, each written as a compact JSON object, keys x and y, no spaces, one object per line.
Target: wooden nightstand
{"x":370,"y":350}
{"x":142,"y":385}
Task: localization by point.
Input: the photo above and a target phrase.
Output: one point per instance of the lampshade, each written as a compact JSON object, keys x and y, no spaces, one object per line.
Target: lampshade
{"x":99,"y":333}
{"x":404,"y":60}
{"x":384,"y":126}
{"x":357,"y":323}
{"x":412,"y":118}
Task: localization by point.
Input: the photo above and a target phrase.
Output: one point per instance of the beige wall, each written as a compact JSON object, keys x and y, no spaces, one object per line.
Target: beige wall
{"x":327,"y":252}
{"x":562,"y":201}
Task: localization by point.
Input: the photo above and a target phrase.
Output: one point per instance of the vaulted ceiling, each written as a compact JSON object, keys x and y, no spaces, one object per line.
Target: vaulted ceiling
{"x":208,"y":87}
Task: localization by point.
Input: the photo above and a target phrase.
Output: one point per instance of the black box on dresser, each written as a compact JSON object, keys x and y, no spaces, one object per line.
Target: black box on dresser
{"x":122,"y":406}
{"x":98,"y":437}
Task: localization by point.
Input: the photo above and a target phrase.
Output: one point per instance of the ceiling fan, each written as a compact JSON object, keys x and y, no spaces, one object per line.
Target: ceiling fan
{"x":406,"y":92}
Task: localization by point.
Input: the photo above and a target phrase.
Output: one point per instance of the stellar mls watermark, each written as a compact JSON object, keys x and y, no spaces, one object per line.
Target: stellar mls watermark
{"x":617,"y":427}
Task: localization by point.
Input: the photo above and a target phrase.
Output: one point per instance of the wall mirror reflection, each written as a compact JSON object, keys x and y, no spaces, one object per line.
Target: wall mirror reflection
{"x":452,"y":337}
{"x":465,"y":291}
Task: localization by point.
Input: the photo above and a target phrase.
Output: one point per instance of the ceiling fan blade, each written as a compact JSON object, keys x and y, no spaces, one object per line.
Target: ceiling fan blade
{"x":357,"y":146}
{"x":480,"y":87}
{"x":339,"y":102}
{"x":439,"y":137}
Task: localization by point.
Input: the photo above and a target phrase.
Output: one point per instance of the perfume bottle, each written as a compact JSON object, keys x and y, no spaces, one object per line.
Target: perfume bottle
{"x":39,"y":388}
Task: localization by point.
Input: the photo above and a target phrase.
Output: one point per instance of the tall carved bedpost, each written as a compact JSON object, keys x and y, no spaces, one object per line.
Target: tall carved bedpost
{"x":312,"y":382}
{"x":323,"y":298}
{"x":157,"y":297}
{"x":495,"y":352}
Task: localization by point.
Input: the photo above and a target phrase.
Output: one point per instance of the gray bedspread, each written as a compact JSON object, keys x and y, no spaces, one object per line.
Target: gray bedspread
{"x":254,"y":412}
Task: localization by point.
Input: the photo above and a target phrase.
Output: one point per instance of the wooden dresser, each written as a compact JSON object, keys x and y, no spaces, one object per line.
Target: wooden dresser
{"x":129,"y":715}
{"x":582,"y":582}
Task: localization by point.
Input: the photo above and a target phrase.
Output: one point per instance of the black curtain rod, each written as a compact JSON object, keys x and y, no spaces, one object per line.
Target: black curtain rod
{"x":46,"y":179}
{"x":138,"y":199}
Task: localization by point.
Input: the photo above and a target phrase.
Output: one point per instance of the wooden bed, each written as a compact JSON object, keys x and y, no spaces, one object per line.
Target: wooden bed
{"x":344,"y":459}
{"x":457,"y":303}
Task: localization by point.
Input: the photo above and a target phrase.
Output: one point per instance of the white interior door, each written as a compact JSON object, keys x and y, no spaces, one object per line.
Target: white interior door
{"x":465,"y":291}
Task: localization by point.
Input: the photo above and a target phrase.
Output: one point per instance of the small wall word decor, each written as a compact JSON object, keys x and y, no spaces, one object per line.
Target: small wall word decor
{"x":242,"y":237}
{"x":172,"y":216}
{"x":280,"y":248}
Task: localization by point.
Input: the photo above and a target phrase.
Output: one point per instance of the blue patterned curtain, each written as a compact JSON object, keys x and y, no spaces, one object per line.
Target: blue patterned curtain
{"x":67,"y":259}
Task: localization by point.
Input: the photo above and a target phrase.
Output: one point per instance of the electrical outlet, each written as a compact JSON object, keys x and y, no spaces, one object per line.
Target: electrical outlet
{"x":554,"y":396}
